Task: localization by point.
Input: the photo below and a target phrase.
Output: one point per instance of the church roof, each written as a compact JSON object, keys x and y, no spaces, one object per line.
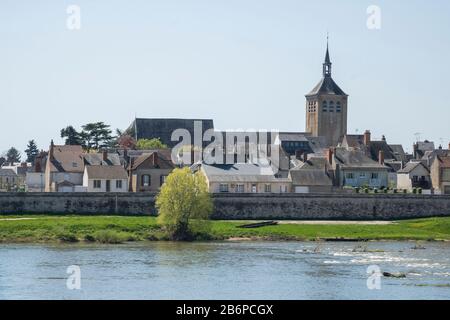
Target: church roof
{"x":327,"y":86}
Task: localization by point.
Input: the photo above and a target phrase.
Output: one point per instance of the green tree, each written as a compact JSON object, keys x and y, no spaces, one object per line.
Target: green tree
{"x":72,"y":136}
{"x":149,"y":144}
{"x":97,"y":135}
{"x":184,"y":204}
{"x":12,"y":155}
{"x":2,"y":161}
{"x":31,"y":151}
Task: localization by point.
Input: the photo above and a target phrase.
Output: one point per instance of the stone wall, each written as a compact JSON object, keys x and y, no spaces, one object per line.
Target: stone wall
{"x":239,"y":206}
{"x":78,"y":203}
{"x":330,"y":206}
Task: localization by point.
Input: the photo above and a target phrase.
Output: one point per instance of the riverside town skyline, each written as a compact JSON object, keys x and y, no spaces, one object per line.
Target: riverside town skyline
{"x":217,"y":158}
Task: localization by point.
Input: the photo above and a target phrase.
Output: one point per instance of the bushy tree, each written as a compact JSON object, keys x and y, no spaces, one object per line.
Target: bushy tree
{"x":31,"y":151}
{"x":12,"y":155}
{"x":184,"y":204}
{"x":97,"y":135}
{"x":2,"y":161}
{"x":149,"y":144}
{"x":71,"y":135}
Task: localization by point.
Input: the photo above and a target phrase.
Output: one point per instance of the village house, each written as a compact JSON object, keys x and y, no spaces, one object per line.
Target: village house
{"x":8,"y":179}
{"x":64,"y":168}
{"x":414,"y":175}
{"x":312,"y":176}
{"x":352,"y":168}
{"x":148,"y":172}
{"x":242,"y":178}
{"x":105,"y":178}
{"x":440,"y":175}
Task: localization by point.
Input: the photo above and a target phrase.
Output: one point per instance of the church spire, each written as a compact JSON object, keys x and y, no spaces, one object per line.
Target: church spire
{"x":327,"y":63}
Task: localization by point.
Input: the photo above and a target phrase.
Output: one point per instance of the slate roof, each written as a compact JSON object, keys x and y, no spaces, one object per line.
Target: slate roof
{"x":95,"y":159}
{"x":327,"y":86}
{"x":355,"y":159}
{"x":163,"y":128}
{"x":410,"y":166}
{"x":354,"y":140}
{"x":240,"y":172}
{"x":313,"y":172}
{"x":106,"y":172}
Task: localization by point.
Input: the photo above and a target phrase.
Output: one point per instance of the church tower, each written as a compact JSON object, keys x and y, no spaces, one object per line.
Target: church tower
{"x":326,"y":108}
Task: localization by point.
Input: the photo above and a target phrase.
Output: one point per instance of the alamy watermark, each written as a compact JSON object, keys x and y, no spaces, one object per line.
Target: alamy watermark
{"x":374,"y":279}
{"x":73,"y":21}
{"x":261,"y":147}
{"x":74,"y":280}
{"x":374,"y":17}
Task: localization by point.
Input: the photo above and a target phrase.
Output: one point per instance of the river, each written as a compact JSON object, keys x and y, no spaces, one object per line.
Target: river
{"x":226,"y":270}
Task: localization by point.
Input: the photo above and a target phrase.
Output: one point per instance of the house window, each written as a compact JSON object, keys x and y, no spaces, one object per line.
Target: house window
{"x":97,"y":184}
{"x":415,"y":178}
{"x":254,"y":188}
{"x":362,"y":175}
{"x":349,"y":175}
{"x":162,"y":180}
{"x":145,"y":180}
{"x":240,"y":188}
{"x":118,"y":184}
{"x":267,"y":188}
{"x":223,"y":187}
{"x":374,"y":175}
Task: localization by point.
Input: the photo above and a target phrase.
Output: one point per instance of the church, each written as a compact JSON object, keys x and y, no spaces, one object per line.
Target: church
{"x":326,"y":108}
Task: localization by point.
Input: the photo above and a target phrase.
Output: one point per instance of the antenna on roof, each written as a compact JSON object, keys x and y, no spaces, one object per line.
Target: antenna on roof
{"x":417,"y":135}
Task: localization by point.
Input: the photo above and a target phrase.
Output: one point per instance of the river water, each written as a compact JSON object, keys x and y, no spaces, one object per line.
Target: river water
{"x":226,"y":270}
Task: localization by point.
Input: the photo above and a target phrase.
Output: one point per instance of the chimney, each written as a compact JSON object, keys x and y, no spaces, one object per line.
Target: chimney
{"x":366,"y":137}
{"x":329,"y":154}
{"x":104,"y":155}
{"x":155,"y":158}
{"x":383,"y":138}
{"x":305,"y":157}
{"x":50,"y":151}
{"x":298,"y":154}
{"x":449,"y":146}
{"x":381,"y":157}
{"x":415,"y":149}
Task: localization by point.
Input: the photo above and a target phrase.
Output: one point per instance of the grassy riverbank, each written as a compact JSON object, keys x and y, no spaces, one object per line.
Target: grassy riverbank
{"x":114,"y":229}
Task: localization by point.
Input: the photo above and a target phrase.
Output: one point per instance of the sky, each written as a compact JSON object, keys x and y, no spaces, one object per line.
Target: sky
{"x":243,"y":63}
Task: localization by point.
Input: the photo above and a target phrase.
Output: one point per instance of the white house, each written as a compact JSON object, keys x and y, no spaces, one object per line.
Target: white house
{"x":243,"y":178}
{"x":414,"y":175}
{"x":101,"y":178}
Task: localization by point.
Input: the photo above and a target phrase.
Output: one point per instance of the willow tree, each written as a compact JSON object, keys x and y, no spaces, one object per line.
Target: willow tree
{"x":184,"y":204}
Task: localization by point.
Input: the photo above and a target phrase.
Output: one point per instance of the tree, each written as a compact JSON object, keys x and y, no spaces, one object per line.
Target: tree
{"x":72,"y":136}
{"x":13,"y":155}
{"x":184,"y":204}
{"x":2,"y":161}
{"x":126,"y":142}
{"x":97,"y":135}
{"x":31,"y":151}
{"x":149,"y":144}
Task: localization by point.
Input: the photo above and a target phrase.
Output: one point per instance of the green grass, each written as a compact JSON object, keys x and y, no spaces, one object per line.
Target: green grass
{"x":119,"y":229}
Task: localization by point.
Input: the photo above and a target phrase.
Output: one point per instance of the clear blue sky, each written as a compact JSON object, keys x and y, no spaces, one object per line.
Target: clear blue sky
{"x":243,"y":63}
